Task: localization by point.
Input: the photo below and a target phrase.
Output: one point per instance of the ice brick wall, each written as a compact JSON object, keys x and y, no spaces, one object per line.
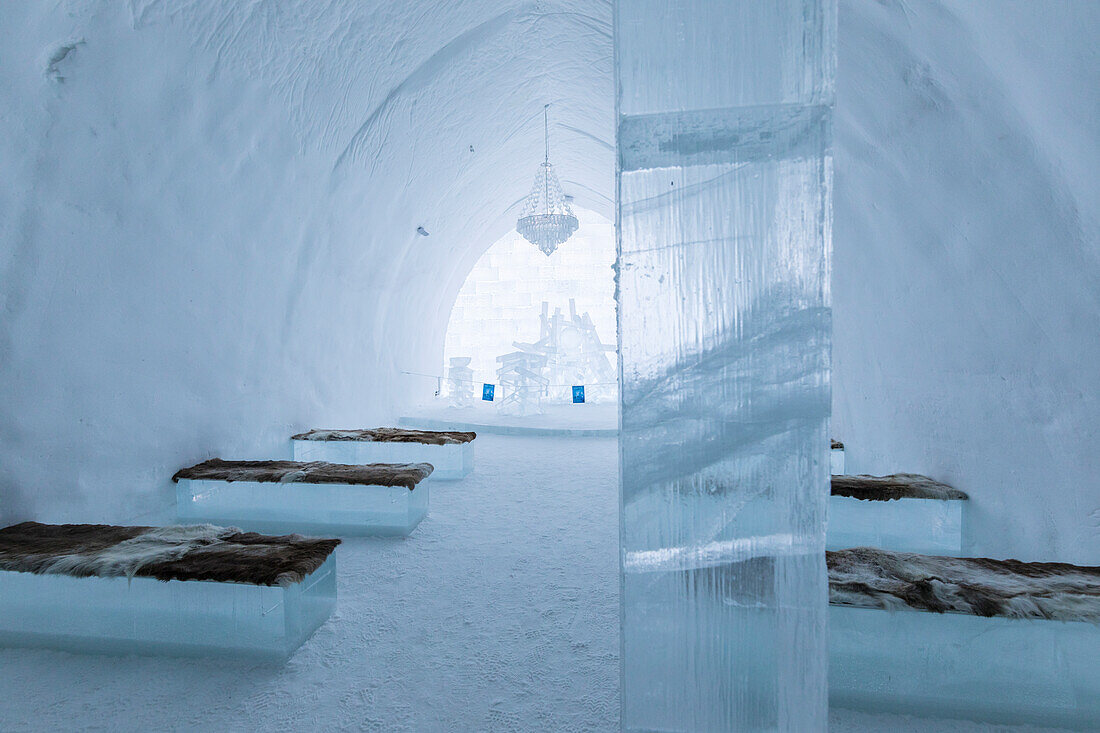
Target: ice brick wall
{"x":501,"y":300}
{"x":725,"y":116}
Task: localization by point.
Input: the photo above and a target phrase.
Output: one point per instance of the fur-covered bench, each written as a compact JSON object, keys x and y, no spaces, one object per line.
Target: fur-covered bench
{"x":310,"y":498}
{"x":193,"y":590}
{"x":450,"y":452}
{"x":904,"y":511}
{"x":999,"y":641}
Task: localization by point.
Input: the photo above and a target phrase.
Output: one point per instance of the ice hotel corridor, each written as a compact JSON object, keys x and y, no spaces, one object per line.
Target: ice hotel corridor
{"x":789,"y":310}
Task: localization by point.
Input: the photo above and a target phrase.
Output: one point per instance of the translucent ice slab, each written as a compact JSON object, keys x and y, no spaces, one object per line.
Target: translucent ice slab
{"x":927,"y":526}
{"x":310,"y":509}
{"x":725,"y":211}
{"x":836,"y":461}
{"x":147,"y":616}
{"x":998,"y":670}
{"x":451,"y":462}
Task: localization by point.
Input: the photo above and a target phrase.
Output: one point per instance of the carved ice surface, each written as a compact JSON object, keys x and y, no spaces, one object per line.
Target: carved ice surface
{"x":323,"y":510}
{"x":927,"y":526}
{"x":147,"y":616}
{"x":725,"y":113}
{"x":996,"y":670}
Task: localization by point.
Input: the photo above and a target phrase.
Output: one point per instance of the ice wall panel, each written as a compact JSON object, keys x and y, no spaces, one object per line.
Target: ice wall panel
{"x":744,"y":54}
{"x":724,"y":331}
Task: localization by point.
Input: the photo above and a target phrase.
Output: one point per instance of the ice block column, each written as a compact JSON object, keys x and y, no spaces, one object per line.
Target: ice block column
{"x":724,"y":126}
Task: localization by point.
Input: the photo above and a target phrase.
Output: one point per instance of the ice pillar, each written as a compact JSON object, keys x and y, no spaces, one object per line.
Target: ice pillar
{"x":724,"y":126}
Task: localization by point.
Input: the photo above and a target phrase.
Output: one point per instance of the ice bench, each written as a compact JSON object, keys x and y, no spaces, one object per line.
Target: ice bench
{"x":836,"y":457}
{"x":309,"y":498}
{"x":450,"y":452}
{"x":189,"y":590}
{"x":999,"y":641}
{"x":903,"y":511}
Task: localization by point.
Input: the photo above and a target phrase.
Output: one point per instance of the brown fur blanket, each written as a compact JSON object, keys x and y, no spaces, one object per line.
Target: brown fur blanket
{"x":190,"y":552}
{"x":316,"y":472}
{"x":391,"y":435}
{"x":868,"y":577}
{"x":895,"y":486}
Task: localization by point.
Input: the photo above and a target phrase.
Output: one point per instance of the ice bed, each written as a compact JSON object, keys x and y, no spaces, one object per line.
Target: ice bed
{"x":450,"y":452}
{"x":999,"y":641}
{"x":836,"y":457}
{"x":308,"y":498}
{"x":184,"y":590}
{"x":904,"y":511}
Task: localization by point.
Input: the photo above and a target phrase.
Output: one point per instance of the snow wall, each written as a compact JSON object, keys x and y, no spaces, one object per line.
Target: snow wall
{"x":208,"y":216}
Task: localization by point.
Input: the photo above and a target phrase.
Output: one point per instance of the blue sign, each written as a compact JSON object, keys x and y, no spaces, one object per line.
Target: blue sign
{"x":487,"y":391}
{"x":578,"y":394}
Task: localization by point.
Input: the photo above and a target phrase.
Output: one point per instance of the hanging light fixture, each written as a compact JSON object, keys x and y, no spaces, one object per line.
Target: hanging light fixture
{"x":547,"y":219}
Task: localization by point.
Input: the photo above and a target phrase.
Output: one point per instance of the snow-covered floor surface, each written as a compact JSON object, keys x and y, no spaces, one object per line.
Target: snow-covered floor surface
{"x":500,"y":613}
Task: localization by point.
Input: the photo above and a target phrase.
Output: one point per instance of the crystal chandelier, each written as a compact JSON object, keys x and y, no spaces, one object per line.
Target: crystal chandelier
{"x":547,"y":219}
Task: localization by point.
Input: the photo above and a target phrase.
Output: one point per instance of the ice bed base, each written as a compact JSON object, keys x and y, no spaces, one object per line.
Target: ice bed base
{"x":451,"y":462}
{"x":927,"y":526}
{"x":836,"y":461}
{"x":178,"y":618}
{"x":996,"y":670}
{"x":309,"y":509}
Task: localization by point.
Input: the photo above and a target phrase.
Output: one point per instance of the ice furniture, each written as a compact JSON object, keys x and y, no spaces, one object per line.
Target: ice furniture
{"x":903,"y":511}
{"x":836,"y":457}
{"x":184,"y":590}
{"x":450,"y":452}
{"x":309,"y":498}
{"x":998,"y":641}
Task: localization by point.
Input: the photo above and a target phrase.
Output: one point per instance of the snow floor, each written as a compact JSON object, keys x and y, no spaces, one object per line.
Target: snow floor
{"x":500,"y":613}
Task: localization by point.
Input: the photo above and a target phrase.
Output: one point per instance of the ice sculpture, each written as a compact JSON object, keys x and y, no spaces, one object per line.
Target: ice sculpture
{"x":460,"y":382}
{"x":574,"y":354}
{"x":724,"y":127}
{"x":522,"y":382}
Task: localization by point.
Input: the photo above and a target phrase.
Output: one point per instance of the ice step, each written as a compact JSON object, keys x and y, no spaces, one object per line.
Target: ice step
{"x":451,"y":453}
{"x":904,"y":512}
{"x":307,"y":498}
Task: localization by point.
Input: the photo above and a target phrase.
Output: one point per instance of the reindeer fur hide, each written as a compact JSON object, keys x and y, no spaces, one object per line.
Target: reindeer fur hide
{"x":391,"y":435}
{"x":868,"y":577}
{"x":191,"y":552}
{"x":894,"y":486}
{"x":316,"y":472}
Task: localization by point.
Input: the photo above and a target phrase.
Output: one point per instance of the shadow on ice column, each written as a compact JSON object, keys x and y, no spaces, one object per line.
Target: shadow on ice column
{"x":725,"y":169}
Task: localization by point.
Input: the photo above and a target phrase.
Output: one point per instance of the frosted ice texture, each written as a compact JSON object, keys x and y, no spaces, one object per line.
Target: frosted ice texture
{"x":450,"y":462}
{"x":999,"y":670}
{"x":310,"y":509}
{"x":724,"y":323}
{"x":147,"y":616}
{"x":927,"y":526}
{"x":836,"y":461}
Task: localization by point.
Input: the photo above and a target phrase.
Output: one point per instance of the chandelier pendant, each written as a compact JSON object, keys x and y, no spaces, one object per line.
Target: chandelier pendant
{"x":547,"y":219}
